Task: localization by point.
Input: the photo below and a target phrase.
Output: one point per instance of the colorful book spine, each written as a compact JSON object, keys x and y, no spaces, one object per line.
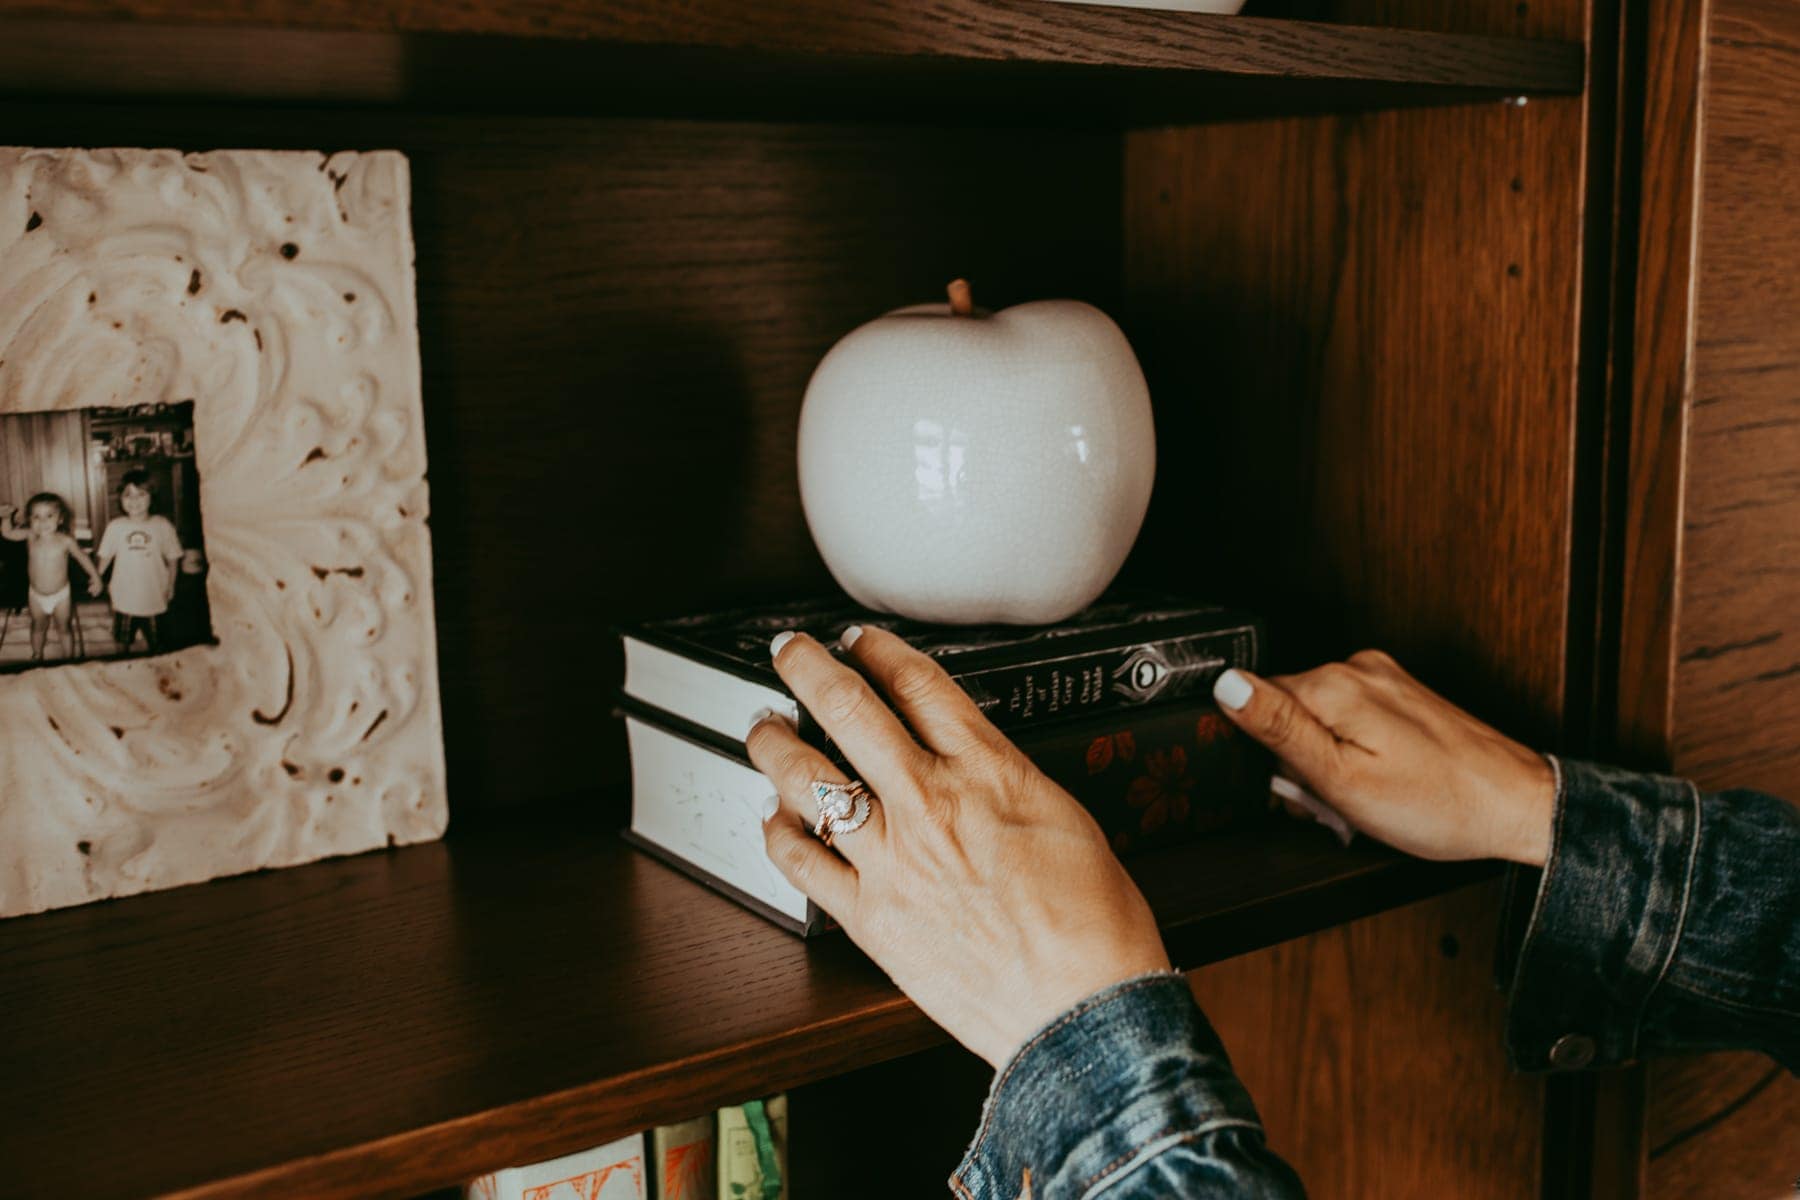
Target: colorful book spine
{"x":683,"y":1160}
{"x":615,"y":1171}
{"x":753,"y":1139}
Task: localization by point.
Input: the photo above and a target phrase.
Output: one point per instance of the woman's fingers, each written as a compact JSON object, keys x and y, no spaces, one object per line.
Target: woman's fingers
{"x":847,"y":709}
{"x":941,"y":713}
{"x":1273,"y":717}
{"x":1303,"y":804}
{"x":793,"y":767}
{"x":810,"y":866}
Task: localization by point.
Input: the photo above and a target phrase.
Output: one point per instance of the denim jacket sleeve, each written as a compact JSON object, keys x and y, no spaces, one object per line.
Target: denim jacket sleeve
{"x":1665,"y":919}
{"x":1128,"y":1095}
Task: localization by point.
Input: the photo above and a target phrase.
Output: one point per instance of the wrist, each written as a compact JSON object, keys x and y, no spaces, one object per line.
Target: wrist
{"x":1533,"y":813}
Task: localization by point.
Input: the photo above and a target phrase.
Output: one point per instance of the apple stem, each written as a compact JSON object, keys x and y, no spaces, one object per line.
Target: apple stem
{"x":962,"y":300}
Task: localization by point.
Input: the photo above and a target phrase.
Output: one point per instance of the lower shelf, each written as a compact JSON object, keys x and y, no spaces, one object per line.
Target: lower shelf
{"x":395,"y":1022}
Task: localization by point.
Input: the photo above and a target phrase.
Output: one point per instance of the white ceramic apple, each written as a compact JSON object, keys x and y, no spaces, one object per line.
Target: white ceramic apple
{"x":965,"y":467}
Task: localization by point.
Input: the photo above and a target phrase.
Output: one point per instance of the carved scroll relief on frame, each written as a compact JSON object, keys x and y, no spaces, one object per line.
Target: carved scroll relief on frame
{"x":270,"y":295}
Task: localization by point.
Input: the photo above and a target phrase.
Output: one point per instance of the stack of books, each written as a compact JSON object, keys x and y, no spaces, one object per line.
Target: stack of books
{"x":737,"y":1153}
{"x":1114,"y":704}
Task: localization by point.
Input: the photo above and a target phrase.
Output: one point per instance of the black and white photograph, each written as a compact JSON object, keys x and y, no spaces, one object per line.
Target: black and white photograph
{"x":102,"y":550}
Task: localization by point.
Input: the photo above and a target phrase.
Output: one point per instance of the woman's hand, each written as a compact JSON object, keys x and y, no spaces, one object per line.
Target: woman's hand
{"x":1398,"y":761}
{"x":985,"y":891}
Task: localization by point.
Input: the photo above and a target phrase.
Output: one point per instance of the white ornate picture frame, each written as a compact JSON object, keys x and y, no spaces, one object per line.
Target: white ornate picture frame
{"x":274,"y":290}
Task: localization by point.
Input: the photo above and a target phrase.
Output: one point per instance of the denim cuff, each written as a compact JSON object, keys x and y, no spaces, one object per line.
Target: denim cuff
{"x":1607,"y":919}
{"x":1123,"y":1076}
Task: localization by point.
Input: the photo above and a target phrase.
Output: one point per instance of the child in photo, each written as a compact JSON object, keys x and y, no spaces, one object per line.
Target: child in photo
{"x":48,"y":594}
{"x":142,"y":550}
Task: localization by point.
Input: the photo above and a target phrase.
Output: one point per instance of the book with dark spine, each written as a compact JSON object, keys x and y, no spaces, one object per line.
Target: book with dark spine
{"x":713,"y":669}
{"x":1152,"y":777}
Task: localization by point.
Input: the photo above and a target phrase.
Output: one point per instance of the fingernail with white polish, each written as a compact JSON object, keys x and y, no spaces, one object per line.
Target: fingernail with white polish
{"x":781,"y":639}
{"x":770,"y":807}
{"x":757,"y":718}
{"x":848,"y":638}
{"x":1232,"y":690}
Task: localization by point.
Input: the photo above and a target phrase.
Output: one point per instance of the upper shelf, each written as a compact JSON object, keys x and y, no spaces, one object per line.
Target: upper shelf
{"x":399,"y":1021}
{"x":985,"y":60}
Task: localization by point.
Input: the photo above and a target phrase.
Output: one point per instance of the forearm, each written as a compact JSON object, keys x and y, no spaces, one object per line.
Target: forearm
{"x":1127,"y":1095}
{"x":1666,"y":919}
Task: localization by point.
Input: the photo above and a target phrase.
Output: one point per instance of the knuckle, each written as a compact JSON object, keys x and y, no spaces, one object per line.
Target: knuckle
{"x":915,"y":681}
{"x":793,"y":764}
{"x":842,"y":699}
{"x":1280,"y":724}
{"x":756,"y":742}
{"x":1334,"y":673}
{"x":980,"y":756}
{"x":1372,"y":659}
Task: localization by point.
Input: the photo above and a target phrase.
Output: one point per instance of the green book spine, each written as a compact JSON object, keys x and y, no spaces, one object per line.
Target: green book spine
{"x":753,"y":1150}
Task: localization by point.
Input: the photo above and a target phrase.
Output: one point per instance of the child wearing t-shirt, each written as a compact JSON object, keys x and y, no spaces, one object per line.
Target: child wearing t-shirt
{"x":142,"y":550}
{"x":48,"y":594}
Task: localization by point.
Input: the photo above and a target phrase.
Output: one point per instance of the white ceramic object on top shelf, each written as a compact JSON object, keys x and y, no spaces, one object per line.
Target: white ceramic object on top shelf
{"x":990,"y":467}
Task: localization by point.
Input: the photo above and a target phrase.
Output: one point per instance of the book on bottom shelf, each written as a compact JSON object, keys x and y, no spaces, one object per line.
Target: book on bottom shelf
{"x":1152,"y":777}
{"x":753,"y":1145}
{"x":713,"y":669}
{"x":615,"y":1171}
{"x":684,"y":1160}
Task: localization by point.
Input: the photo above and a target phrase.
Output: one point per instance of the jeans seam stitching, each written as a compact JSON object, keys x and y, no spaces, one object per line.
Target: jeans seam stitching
{"x":1086,"y":1006}
{"x":1681,"y":911}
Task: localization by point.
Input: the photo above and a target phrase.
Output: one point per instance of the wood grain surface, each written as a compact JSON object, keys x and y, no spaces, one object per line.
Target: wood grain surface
{"x":1084,"y":67}
{"x":1721,"y":1127}
{"x":995,"y":30}
{"x":386,"y":1024}
{"x":1518,"y":18}
{"x":1736,"y":719}
{"x":1710,"y":637}
{"x":1373,"y":1054}
{"x":1321,"y":307}
{"x":1364,"y":331}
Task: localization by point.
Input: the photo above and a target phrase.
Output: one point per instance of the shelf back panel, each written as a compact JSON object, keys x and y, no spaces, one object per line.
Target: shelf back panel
{"x":1362,"y":336}
{"x":618,"y":322}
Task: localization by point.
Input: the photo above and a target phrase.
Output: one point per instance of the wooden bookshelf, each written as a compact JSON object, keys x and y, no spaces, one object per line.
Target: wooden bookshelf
{"x":1379,"y":312}
{"x":1002,"y":59}
{"x":389,"y":1023}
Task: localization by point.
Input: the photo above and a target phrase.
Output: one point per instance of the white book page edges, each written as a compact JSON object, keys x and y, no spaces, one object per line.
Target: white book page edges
{"x":715,"y":699}
{"x":708,"y":809}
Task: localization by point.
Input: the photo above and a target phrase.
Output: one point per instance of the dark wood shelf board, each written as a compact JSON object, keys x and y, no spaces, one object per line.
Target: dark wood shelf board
{"x":399,"y":1021}
{"x":889,"y":59}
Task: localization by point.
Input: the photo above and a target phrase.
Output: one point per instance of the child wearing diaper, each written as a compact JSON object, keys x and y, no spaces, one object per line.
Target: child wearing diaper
{"x":142,"y":550}
{"x":48,"y":594}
